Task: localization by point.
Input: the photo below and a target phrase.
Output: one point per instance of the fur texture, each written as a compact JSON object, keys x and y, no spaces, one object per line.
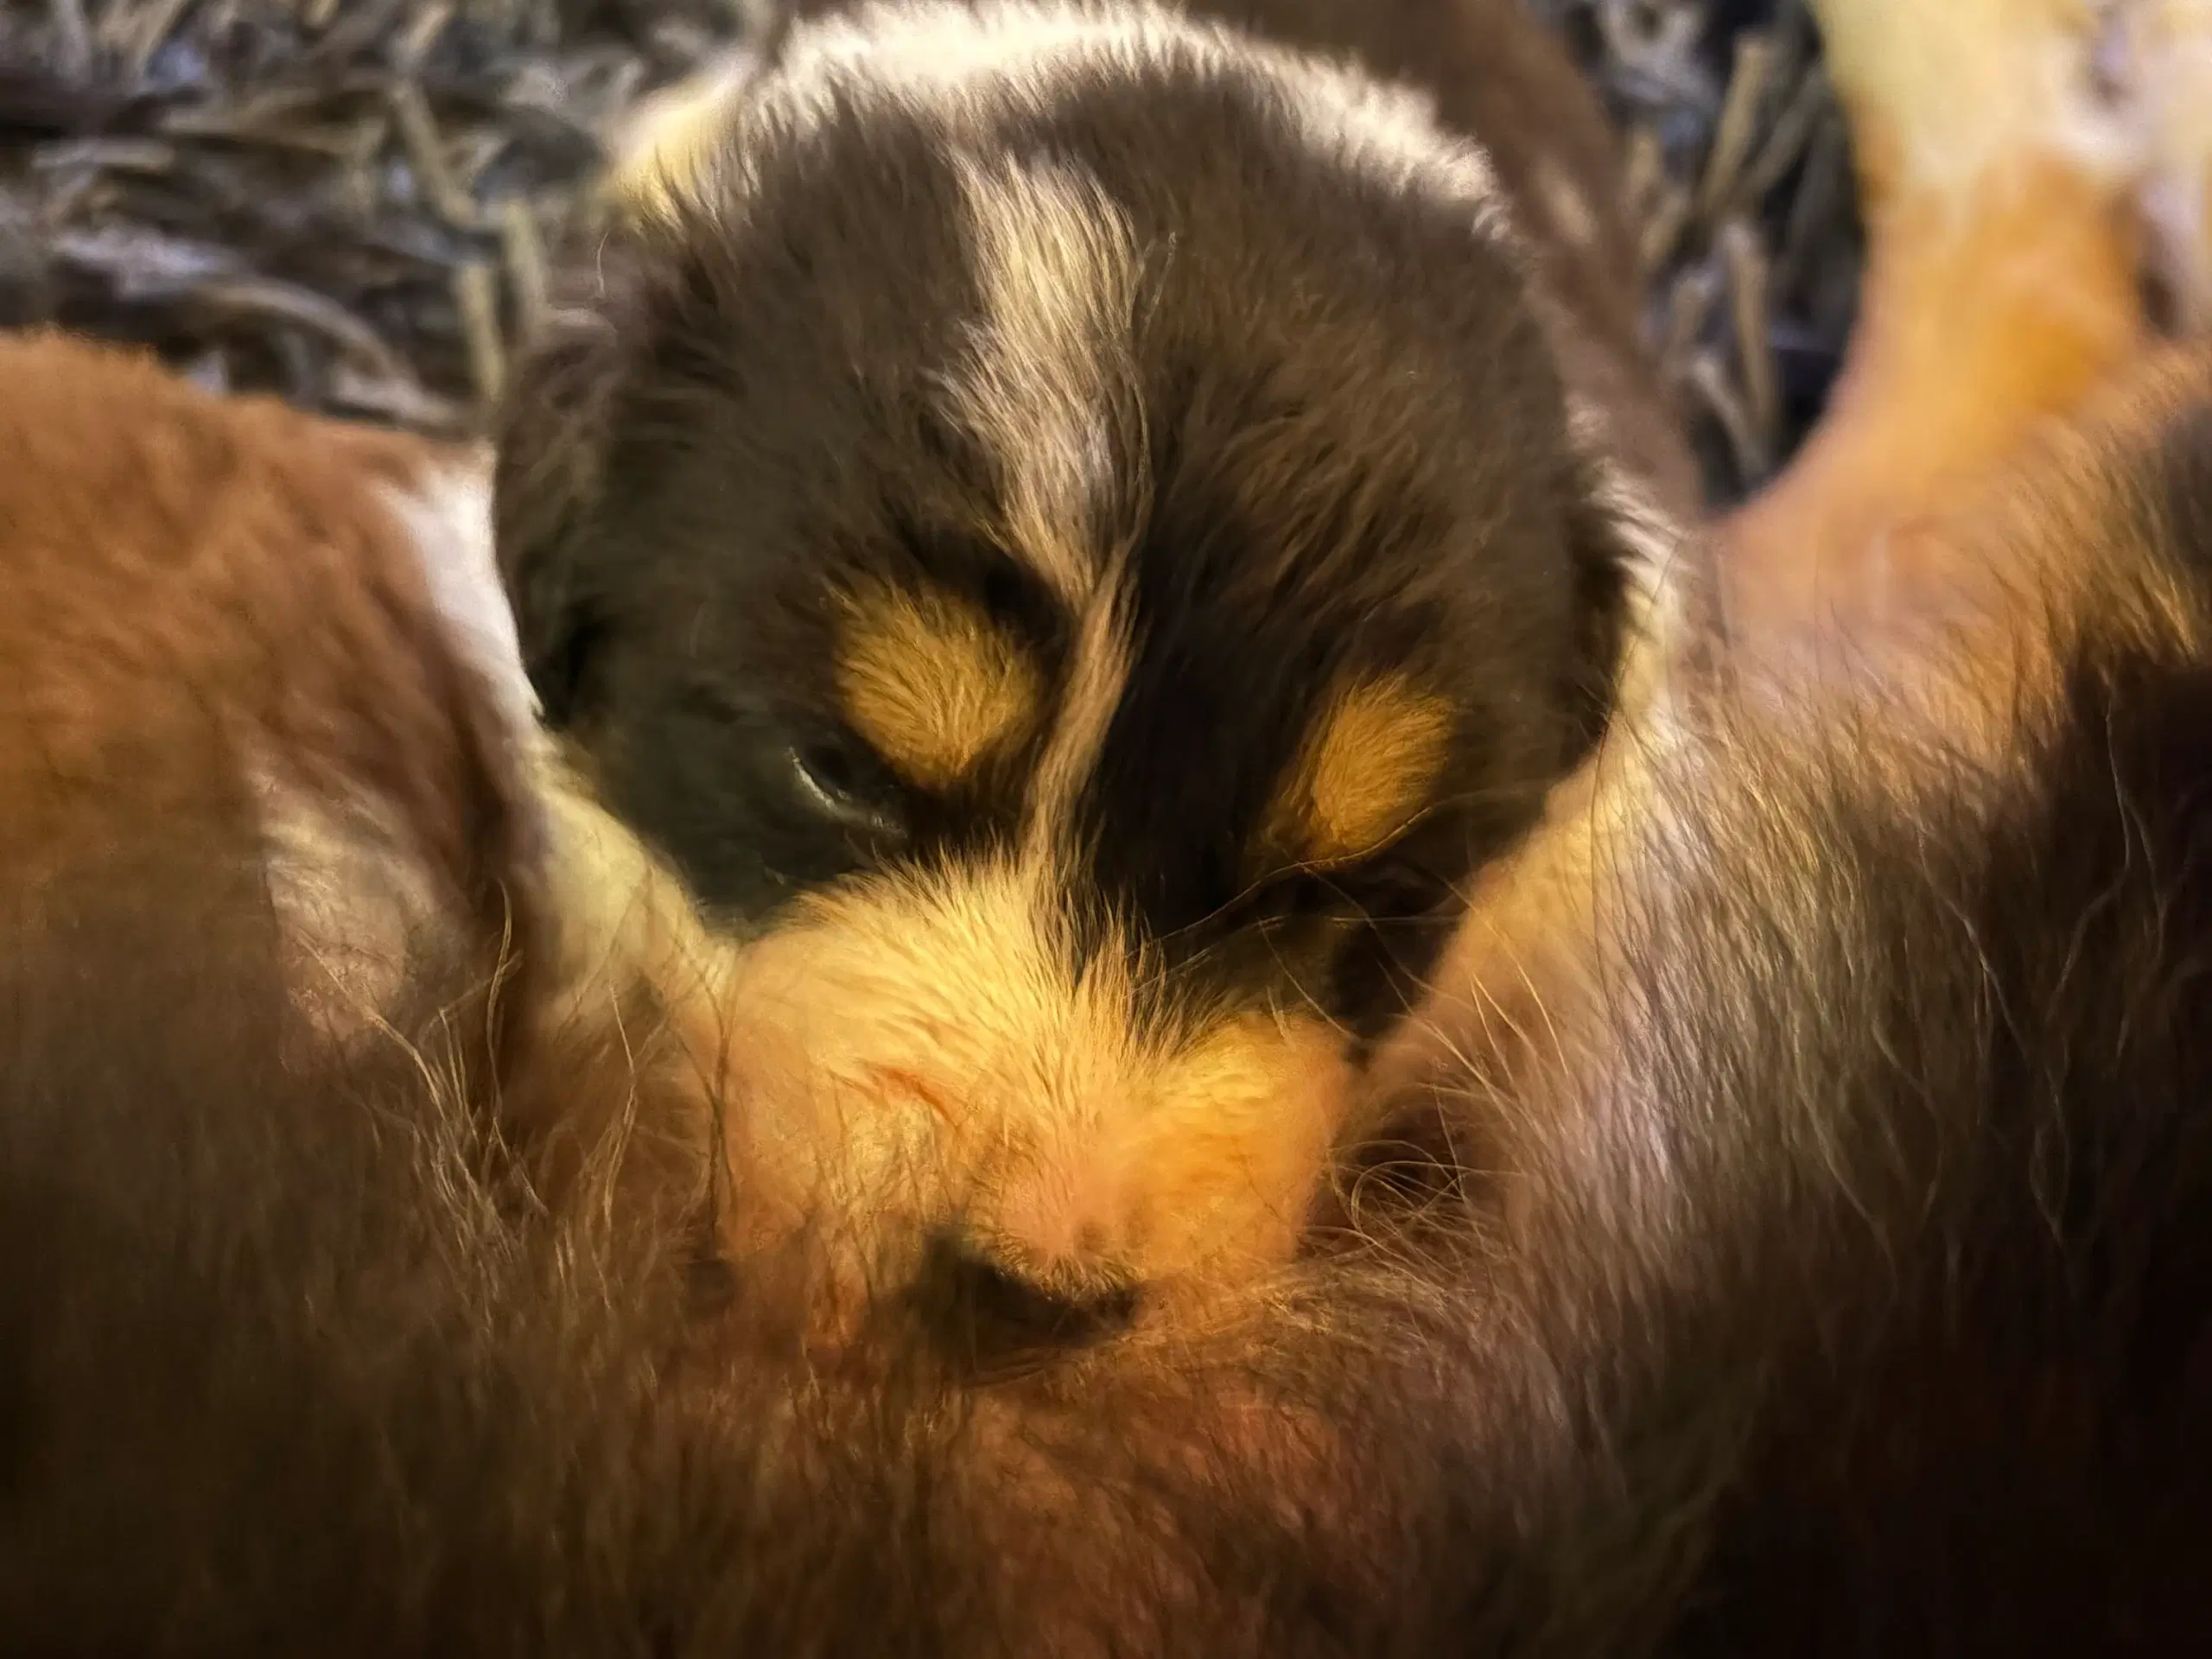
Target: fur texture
{"x":224,"y":613}
{"x":1822,"y":1271}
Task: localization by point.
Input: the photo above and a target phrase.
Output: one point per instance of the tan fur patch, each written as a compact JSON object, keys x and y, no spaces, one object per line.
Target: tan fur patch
{"x":1968,"y":630}
{"x":1235,"y":1143}
{"x":933,"y":682}
{"x":2002,"y":287}
{"x":915,"y":1052}
{"x":1366,"y":766}
{"x":624,"y":918}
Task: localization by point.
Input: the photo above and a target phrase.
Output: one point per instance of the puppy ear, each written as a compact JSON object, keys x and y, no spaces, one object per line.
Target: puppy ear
{"x":555,"y":430}
{"x":1625,"y":550}
{"x":668,"y":147}
{"x":568,"y":407}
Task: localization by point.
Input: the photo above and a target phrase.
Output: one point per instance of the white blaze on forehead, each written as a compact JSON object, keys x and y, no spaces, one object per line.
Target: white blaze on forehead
{"x":1049,"y":362}
{"x":1048,"y":375}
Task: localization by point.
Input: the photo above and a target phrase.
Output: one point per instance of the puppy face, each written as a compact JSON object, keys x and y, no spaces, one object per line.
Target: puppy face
{"x":1065,"y":527}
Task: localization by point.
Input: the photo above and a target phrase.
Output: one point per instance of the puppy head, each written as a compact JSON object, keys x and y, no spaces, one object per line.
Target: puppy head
{"x":1069,"y":528}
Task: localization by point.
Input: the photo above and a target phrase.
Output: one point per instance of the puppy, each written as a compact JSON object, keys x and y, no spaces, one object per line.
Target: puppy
{"x":1076,"y":530}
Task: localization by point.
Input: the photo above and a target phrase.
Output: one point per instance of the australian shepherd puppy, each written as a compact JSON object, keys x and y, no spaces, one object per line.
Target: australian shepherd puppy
{"x":1076,"y":530}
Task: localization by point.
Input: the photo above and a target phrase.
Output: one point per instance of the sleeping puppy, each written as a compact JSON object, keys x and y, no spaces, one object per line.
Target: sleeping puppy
{"x":1078,"y":530}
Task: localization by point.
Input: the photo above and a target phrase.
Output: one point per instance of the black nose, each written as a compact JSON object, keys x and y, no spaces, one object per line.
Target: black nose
{"x":986,"y":1316}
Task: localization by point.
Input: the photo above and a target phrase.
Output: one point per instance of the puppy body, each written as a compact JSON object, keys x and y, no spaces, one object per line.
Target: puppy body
{"x":1094,"y":659}
{"x":229,"y":622}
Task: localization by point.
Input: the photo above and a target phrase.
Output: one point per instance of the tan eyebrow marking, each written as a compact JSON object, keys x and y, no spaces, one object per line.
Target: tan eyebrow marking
{"x":1367,"y":765}
{"x":932,"y":681}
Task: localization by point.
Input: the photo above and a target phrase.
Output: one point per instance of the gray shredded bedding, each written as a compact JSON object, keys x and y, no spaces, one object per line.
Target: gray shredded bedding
{"x":355,"y":203}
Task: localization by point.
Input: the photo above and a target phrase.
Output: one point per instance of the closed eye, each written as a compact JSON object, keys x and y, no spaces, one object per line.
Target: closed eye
{"x":834,"y":780}
{"x":1391,"y":884}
